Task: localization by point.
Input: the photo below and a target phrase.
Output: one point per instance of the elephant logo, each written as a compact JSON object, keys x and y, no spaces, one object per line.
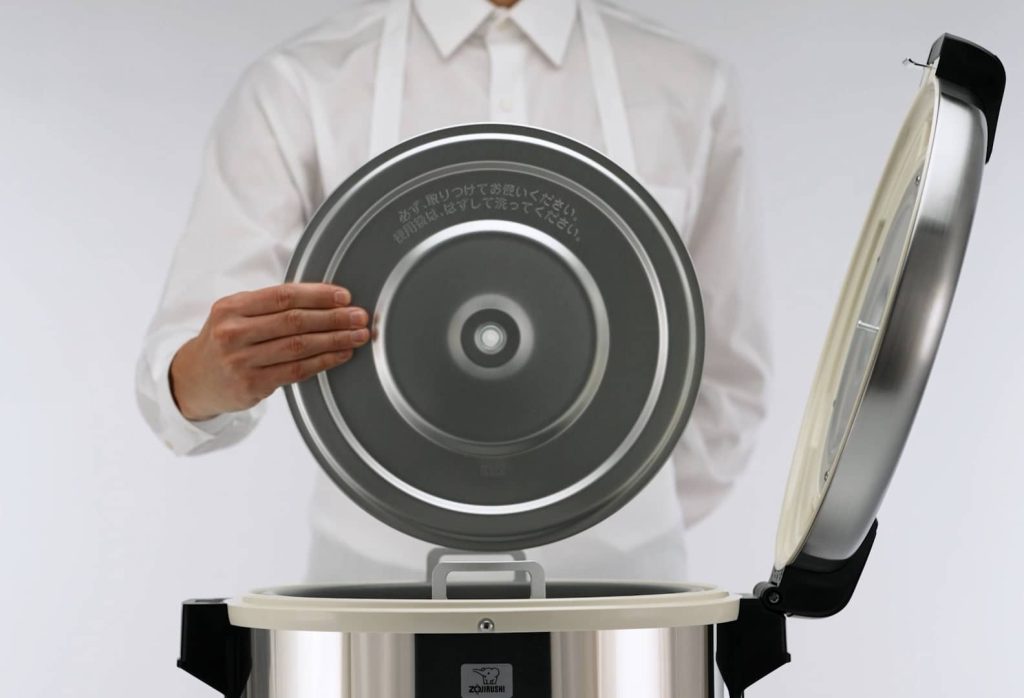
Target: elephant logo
{"x":488,"y":675}
{"x":490,"y":679}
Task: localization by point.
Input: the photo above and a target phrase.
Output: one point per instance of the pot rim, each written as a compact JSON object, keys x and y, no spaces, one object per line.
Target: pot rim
{"x":284,"y":608}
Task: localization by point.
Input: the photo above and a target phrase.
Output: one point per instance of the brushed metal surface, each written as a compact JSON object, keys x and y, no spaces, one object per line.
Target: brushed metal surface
{"x":640,"y":663}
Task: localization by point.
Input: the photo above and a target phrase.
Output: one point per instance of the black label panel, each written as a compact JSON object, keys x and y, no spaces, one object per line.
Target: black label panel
{"x":500,"y":665}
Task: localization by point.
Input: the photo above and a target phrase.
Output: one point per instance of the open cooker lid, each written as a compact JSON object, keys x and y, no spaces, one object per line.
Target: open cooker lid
{"x":537,"y":337}
{"x":892,"y":308}
{"x":877,"y":356}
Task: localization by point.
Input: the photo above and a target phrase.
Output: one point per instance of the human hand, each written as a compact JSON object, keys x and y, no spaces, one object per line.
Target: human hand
{"x":255,"y":341}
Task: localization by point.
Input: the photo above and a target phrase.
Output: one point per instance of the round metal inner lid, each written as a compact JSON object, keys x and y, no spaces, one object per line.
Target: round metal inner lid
{"x":537,"y":337}
{"x":885,"y":330}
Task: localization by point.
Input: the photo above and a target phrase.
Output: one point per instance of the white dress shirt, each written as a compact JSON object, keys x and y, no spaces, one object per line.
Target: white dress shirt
{"x":299,"y":122}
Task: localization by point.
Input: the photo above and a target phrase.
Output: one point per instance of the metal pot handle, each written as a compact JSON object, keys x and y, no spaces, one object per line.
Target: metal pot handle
{"x":437,"y":554}
{"x":440,"y":571}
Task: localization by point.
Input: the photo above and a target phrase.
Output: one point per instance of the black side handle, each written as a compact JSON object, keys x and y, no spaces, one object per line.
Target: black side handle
{"x":212,"y":650}
{"x":752,"y":646}
{"x":976,"y":70}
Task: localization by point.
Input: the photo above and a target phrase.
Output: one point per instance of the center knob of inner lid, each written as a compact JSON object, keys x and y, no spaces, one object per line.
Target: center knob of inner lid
{"x":490,"y":338}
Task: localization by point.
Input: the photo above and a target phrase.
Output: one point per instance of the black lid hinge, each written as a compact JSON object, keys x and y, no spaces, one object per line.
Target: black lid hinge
{"x":754,"y":645}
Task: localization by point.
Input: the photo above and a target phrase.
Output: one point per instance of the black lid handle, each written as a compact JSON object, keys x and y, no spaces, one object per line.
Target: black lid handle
{"x":977,"y":71}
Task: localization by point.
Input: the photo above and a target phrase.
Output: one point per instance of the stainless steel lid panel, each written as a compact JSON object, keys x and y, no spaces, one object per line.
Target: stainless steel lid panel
{"x":877,"y":357}
{"x":890,"y":316}
{"x":538,"y":337}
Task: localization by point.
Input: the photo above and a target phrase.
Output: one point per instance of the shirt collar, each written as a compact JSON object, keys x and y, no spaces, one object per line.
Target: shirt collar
{"x":547,"y":23}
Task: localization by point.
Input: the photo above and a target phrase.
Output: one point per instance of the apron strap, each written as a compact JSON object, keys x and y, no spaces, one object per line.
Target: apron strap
{"x":385,"y":118}
{"x":611,"y":105}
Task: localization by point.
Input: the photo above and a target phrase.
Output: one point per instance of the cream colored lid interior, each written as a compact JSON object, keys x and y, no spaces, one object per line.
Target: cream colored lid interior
{"x":857,"y":326}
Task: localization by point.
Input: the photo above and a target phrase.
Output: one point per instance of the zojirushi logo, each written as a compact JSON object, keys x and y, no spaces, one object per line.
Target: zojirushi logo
{"x":486,"y":680}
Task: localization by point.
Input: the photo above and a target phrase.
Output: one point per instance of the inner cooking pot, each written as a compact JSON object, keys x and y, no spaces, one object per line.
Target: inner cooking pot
{"x":485,"y":590}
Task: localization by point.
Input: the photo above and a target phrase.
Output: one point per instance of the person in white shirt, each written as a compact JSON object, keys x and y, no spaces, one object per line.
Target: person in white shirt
{"x":227,"y":333}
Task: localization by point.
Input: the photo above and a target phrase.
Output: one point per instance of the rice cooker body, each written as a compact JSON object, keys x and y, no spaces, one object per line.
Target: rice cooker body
{"x":585,"y":640}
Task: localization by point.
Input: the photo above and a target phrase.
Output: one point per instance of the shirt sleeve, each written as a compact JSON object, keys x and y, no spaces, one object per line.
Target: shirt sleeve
{"x":251,"y":204}
{"x":726,"y":248}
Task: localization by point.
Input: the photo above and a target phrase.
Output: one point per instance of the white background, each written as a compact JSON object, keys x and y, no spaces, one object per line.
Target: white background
{"x":104,"y":107}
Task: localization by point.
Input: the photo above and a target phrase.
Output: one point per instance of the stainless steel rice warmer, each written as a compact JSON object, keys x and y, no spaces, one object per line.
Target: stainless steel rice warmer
{"x":537,"y":349}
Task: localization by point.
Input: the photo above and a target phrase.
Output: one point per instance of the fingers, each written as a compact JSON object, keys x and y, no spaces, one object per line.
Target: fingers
{"x":303,"y":346}
{"x":297,"y":371}
{"x":256,"y":341}
{"x":283,"y":297}
{"x":298,"y":321}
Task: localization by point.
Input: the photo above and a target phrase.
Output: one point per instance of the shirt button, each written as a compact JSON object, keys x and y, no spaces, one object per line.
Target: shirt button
{"x":505,"y":104}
